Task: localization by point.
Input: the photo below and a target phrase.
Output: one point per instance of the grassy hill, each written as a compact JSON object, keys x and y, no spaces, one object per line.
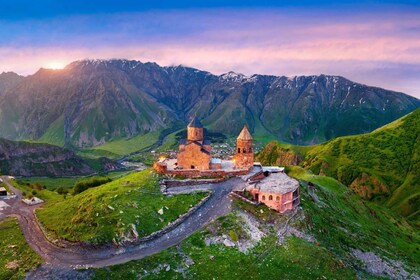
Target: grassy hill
{"x":100,"y":214}
{"x":382,"y":165}
{"x":333,"y":224}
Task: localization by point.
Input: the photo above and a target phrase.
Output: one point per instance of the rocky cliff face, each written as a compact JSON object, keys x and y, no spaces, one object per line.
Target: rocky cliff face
{"x":9,"y":80}
{"x":91,"y":102}
{"x":30,"y":159}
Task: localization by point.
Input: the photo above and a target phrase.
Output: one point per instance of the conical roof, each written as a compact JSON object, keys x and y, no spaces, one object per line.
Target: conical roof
{"x":195,"y":123}
{"x":244,"y":135}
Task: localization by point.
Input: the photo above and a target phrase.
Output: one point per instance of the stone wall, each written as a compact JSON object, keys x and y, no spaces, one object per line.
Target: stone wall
{"x":239,"y":196}
{"x":190,"y":182}
{"x":195,"y":173}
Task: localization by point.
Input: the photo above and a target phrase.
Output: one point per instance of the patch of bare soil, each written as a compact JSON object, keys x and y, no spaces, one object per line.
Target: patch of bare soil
{"x":383,"y":267}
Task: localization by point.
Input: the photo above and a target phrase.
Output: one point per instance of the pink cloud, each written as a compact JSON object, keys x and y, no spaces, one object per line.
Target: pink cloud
{"x":269,"y":42}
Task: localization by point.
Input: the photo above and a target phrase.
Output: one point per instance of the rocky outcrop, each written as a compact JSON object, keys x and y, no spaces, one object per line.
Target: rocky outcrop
{"x":274,"y":154}
{"x":367,"y":185}
{"x":33,"y":159}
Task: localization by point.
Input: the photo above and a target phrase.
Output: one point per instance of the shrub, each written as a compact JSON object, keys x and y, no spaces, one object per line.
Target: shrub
{"x":34,"y":192}
{"x":90,"y":183}
{"x":62,"y":190}
{"x":233,"y":235}
{"x":37,"y":186}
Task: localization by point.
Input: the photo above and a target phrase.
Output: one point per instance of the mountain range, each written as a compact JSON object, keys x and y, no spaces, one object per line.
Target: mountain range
{"x":92,"y":102}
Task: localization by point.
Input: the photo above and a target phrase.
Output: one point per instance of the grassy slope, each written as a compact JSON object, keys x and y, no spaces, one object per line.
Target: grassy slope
{"x":16,"y":257}
{"x":342,"y":221}
{"x":382,"y":164}
{"x":136,"y":198}
{"x":55,"y":133}
{"x":297,"y":259}
{"x":339,"y":221}
{"x":125,"y":146}
{"x":53,"y":183}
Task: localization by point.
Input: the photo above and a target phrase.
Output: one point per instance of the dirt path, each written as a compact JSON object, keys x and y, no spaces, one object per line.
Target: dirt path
{"x":87,"y":256}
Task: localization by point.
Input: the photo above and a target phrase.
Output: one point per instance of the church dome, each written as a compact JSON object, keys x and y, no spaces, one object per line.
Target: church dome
{"x":195,"y":123}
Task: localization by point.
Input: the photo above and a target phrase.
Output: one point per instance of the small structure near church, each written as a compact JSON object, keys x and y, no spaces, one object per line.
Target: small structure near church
{"x":3,"y":191}
{"x":276,"y":190}
{"x":194,"y":156}
{"x":32,"y":201}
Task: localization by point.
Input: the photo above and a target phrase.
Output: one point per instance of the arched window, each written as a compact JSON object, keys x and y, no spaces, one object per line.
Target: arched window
{"x":243,"y":150}
{"x":270,"y":197}
{"x":263,"y":197}
{"x":278,"y":198}
{"x":239,"y":150}
{"x":250,"y":149}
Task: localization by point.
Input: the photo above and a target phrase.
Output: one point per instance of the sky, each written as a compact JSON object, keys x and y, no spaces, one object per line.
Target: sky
{"x":372,"y":42}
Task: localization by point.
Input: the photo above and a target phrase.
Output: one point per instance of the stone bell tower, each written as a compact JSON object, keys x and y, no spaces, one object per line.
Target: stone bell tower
{"x":244,"y":158}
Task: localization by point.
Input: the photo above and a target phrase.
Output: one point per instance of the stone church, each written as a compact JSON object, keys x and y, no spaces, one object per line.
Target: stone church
{"x":195,"y":151}
{"x":194,"y":158}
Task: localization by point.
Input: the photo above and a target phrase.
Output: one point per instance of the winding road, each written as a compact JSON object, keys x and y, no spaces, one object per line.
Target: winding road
{"x":77,"y":255}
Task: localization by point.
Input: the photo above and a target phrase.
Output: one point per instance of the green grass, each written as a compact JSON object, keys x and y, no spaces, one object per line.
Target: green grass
{"x":55,"y":133}
{"x":54,"y":183}
{"x":296,"y":259}
{"x":100,"y":214}
{"x":50,"y":183}
{"x":341,"y":220}
{"x":125,"y":146}
{"x":16,"y":257}
{"x":50,"y":197}
{"x":90,"y":153}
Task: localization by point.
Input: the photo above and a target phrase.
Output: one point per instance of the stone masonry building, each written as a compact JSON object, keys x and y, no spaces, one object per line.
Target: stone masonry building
{"x":194,"y":156}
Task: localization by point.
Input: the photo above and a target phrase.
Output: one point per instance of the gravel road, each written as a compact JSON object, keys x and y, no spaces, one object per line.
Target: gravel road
{"x":76,"y":256}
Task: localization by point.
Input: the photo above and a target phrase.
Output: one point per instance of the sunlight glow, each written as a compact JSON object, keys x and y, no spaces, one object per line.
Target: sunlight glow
{"x":55,"y":65}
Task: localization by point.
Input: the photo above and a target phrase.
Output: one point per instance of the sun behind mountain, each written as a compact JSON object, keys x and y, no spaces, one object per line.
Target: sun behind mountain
{"x":55,"y":65}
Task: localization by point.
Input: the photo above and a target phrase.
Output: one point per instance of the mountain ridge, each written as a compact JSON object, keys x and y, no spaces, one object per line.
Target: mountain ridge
{"x":91,"y":102}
